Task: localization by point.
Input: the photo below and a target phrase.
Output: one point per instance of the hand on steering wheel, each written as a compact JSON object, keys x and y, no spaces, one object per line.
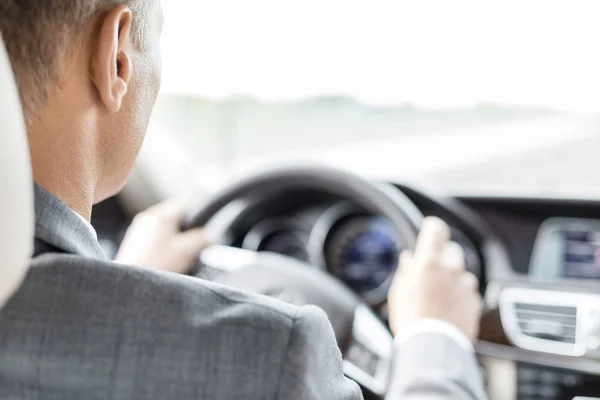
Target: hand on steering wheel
{"x":432,"y":283}
{"x":154,"y":240}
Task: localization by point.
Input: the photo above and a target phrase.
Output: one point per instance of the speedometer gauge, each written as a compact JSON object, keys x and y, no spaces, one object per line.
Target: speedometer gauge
{"x":363,"y":252}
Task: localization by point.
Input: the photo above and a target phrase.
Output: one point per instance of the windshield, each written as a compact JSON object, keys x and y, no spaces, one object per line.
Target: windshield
{"x":475,"y":97}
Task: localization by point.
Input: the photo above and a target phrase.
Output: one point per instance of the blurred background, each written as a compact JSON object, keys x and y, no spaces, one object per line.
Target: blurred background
{"x":494,"y":97}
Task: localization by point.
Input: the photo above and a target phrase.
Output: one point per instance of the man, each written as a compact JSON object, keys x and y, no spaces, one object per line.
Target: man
{"x":84,"y":327}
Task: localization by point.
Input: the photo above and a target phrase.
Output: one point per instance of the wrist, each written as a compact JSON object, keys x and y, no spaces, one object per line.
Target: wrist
{"x":434,"y":326}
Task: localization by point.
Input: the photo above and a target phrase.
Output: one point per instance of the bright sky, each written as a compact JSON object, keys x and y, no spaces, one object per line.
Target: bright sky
{"x":432,"y":53}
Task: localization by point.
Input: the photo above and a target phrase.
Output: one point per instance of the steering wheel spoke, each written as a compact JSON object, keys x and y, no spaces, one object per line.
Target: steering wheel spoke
{"x":226,"y":259}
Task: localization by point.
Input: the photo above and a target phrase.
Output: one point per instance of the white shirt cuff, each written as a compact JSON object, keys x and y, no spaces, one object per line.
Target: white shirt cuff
{"x":437,"y":326}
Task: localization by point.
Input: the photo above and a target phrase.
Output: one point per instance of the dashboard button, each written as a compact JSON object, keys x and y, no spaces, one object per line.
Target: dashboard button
{"x":362,"y":358}
{"x":528,"y":390}
{"x":528,"y":374}
{"x":571,"y":380}
{"x":549,"y":392}
{"x":549,"y":377}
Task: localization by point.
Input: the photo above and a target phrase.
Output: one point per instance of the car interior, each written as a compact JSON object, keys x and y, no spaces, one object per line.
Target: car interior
{"x":536,"y":259}
{"x":315,"y":234}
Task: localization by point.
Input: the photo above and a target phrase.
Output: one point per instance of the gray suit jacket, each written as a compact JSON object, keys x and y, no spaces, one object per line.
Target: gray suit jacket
{"x":82,"y":327}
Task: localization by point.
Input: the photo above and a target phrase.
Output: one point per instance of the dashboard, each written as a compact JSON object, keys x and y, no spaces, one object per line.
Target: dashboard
{"x":550,"y":241}
{"x":540,"y":240}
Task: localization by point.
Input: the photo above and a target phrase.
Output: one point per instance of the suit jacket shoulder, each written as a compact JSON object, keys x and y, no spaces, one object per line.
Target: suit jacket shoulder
{"x":85,"y":328}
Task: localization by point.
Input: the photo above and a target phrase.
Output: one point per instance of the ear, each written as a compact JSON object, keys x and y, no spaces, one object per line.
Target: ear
{"x":111,"y":61}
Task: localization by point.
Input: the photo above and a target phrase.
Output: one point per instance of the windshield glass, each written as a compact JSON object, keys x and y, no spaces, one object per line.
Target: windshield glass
{"x":475,"y":97}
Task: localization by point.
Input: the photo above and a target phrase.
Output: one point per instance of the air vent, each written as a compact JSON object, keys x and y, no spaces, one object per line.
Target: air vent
{"x":547,"y":321}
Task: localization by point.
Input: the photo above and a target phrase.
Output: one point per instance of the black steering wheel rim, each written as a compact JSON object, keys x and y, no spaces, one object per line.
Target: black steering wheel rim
{"x":391,"y":204}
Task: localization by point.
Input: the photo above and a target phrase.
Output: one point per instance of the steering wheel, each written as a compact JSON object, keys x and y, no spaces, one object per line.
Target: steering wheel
{"x":364,"y":340}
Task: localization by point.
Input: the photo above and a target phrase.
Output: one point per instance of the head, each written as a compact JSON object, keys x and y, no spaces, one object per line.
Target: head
{"x":88,"y":73}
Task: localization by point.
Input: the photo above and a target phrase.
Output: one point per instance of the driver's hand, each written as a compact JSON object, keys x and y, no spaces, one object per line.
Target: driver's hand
{"x":432,"y":283}
{"x":154,"y":240}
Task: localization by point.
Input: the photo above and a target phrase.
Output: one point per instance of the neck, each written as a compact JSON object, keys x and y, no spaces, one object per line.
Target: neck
{"x":69,"y":192}
{"x":63,"y":164}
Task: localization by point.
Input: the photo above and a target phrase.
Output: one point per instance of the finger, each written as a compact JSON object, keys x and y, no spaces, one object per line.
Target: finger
{"x":470,"y":281}
{"x":405,"y":258}
{"x":432,"y":239}
{"x":193,"y":241}
{"x":453,"y":256}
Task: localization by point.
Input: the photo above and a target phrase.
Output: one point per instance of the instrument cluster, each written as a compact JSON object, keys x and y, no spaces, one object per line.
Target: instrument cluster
{"x":359,"y":248}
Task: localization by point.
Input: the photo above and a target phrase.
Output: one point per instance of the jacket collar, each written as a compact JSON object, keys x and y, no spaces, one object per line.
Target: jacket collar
{"x":58,"y":227}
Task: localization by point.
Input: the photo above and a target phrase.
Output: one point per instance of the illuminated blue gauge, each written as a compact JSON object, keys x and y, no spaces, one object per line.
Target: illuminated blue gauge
{"x":363,"y":252}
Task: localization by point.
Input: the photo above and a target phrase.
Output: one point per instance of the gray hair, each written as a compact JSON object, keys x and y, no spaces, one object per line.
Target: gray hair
{"x":37,"y":35}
